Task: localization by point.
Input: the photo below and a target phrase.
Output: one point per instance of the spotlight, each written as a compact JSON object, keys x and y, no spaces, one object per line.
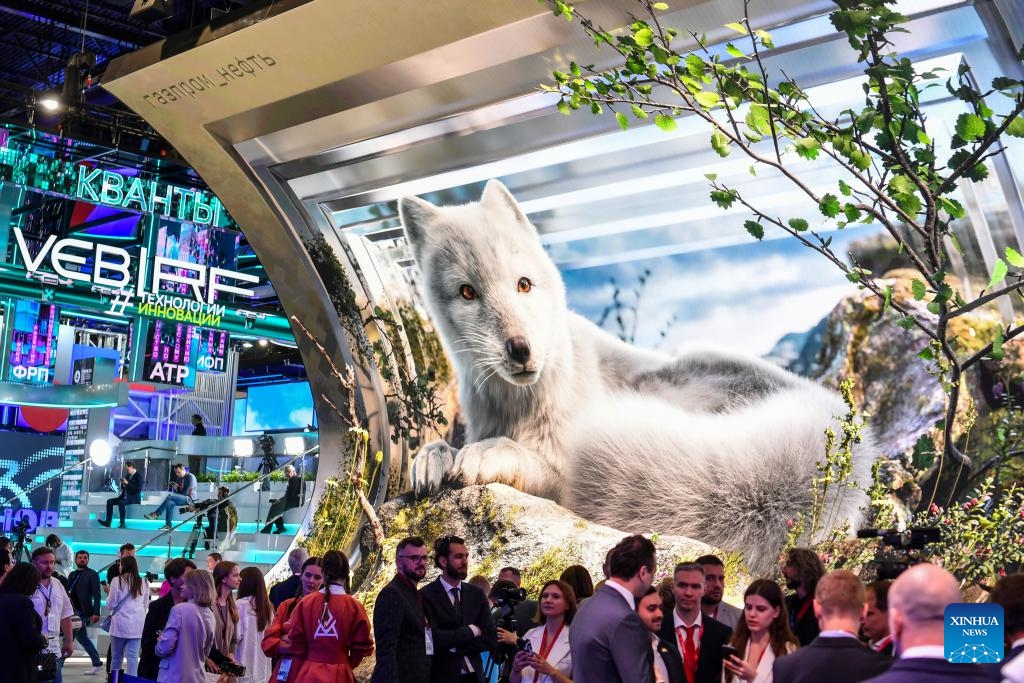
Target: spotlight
{"x":247,"y":345}
{"x":263,"y":342}
{"x":100,"y":452}
{"x":49,"y":103}
{"x":243,"y":448}
{"x":293,"y":445}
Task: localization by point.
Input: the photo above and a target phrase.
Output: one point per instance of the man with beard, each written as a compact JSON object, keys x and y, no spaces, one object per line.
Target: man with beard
{"x":803,"y":569}
{"x":459,"y":617}
{"x":400,"y":626}
{"x":668,"y":668}
{"x":711,"y":603}
{"x":54,"y":607}
{"x":84,"y":591}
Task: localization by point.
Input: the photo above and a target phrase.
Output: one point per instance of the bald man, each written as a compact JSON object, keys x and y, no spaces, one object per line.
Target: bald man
{"x":917,"y":603}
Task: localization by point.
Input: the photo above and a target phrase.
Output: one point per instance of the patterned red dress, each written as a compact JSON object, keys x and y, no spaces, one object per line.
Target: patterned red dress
{"x":331,"y":635}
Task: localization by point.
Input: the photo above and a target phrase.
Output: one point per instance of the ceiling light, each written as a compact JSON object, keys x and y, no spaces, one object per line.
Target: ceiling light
{"x":49,"y":103}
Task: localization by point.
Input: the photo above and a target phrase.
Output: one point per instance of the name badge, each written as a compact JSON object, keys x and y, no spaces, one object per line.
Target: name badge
{"x":286,"y":667}
{"x":52,"y":624}
{"x":428,"y":638}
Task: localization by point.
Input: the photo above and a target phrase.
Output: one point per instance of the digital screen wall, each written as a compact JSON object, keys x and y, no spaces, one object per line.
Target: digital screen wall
{"x":33,"y":342}
{"x":271,"y":407}
{"x":39,"y":458}
{"x":175,"y":352}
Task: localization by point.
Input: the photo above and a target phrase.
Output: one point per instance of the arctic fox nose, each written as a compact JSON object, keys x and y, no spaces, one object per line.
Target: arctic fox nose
{"x":518,"y":349}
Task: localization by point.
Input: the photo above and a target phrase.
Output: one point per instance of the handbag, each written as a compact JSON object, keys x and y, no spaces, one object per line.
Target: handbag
{"x":105,"y":623}
{"x":46,"y":665}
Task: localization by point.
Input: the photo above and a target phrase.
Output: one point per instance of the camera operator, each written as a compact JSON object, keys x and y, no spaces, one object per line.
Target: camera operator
{"x":525,"y":609}
{"x":506,"y":599}
{"x":221,"y":514}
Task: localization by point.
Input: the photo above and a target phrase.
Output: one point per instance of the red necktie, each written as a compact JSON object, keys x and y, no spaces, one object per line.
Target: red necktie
{"x":689,"y":653}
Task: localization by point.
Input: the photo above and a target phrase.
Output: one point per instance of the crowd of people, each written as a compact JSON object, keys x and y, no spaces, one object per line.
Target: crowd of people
{"x":221,"y":623}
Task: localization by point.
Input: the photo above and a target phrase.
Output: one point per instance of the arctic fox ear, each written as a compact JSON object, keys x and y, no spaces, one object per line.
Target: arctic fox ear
{"x":416,"y":215}
{"x":496,"y":196}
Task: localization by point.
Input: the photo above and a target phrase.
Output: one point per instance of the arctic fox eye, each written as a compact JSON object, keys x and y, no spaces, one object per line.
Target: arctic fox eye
{"x":467,"y":292}
{"x":525,"y":285}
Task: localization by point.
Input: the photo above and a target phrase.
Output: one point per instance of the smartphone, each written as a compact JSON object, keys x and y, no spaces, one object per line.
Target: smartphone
{"x":525,"y":645}
{"x":729,"y":651}
{"x":104,"y":582}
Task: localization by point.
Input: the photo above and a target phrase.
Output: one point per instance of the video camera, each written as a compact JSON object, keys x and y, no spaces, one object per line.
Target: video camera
{"x":891,"y":563}
{"x":508,"y":597}
{"x":20,"y":529}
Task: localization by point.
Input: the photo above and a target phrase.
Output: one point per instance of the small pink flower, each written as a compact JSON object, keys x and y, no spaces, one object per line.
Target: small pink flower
{"x":934,"y":509}
{"x":789,"y":522}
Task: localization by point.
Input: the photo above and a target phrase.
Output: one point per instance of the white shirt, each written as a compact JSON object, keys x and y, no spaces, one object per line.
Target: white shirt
{"x":677,"y":622}
{"x":623,"y":591}
{"x":467,"y":666}
{"x":558,"y":656}
{"x":249,"y":652}
{"x":128,"y":611}
{"x":60,"y":608}
{"x":660,"y":669}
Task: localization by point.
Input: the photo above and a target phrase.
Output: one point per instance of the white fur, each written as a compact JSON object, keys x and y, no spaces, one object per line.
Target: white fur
{"x":717,"y":447}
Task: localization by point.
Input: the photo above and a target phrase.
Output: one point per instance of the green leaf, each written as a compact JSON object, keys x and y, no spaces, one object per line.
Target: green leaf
{"x":970,"y":126}
{"x":999,"y":271}
{"x":639,"y":112}
{"x":829,"y":205}
{"x":766,"y":39}
{"x":887,"y":299}
{"x":906,"y":322}
{"x":707,"y":99}
{"x":738,"y":27}
{"x":918,"y":288}
{"x":951,"y":206}
{"x":997,"y":344}
{"x":720,"y":143}
{"x":851,"y":212}
{"x":735,"y":51}
{"x":622,"y":119}
{"x":808,"y":148}
{"x":755,"y":229}
{"x":644,"y":37}
{"x":926,"y":353}
{"x":861,"y":160}
{"x":724,"y":198}
{"x":563,"y":107}
{"x":711,"y":176}
{"x":1016,"y":127}
{"x":758,"y":119}
{"x":665,"y":122}
{"x":845,"y":189}
{"x":798,"y":224}
{"x":854,"y":276}
{"x":1015,"y":259}
{"x":660,"y":6}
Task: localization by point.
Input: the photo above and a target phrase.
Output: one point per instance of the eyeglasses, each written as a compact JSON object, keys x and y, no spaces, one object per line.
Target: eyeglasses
{"x":414,"y":558}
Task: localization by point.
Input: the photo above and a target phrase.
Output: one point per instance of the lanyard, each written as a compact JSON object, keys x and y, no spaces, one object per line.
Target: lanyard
{"x":47,"y":595}
{"x":545,"y":647}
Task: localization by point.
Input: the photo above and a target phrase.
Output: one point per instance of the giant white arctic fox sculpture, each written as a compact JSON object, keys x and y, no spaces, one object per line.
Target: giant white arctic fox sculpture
{"x":716,"y":447}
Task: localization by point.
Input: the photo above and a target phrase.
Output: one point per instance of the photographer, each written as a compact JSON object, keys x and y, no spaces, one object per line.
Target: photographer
{"x":221,"y":514}
{"x":506,"y":599}
{"x":543,"y":655}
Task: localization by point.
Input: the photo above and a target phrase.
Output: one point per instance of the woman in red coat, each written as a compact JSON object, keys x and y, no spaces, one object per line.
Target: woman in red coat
{"x":330,"y":629}
{"x":276,"y":643}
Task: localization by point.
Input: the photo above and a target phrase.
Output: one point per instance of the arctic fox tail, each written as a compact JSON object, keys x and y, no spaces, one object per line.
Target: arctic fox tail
{"x":732,"y":480}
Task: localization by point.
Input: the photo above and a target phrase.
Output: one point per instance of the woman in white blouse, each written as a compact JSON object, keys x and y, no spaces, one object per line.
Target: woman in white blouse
{"x":255,"y":613}
{"x":760,"y":636}
{"x":548,"y":660}
{"x":127,"y":601}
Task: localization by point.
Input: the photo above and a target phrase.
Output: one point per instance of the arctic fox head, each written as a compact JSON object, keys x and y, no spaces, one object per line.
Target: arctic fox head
{"x":496,"y":297}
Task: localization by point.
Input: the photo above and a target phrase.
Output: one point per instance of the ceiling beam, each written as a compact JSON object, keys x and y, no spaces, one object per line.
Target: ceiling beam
{"x":132,"y":38}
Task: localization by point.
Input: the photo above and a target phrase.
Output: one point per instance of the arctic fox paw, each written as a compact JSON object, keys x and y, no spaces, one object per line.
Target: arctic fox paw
{"x":430,"y":467}
{"x":494,"y":460}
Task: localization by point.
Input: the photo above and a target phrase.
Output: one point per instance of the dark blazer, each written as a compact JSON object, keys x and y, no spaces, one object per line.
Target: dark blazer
{"x":802,"y":621}
{"x":709,"y":662}
{"x":284,"y":590}
{"x":449,"y":633}
{"x":524,"y":613}
{"x":836,"y":660}
{"x":398,"y":624}
{"x":132,"y":491}
{"x":292,"y":491}
{"x":995,"y":670}
{"x":608,"y":642}
{"x":20,"y":637}
{"x":156,"y":619}
{"x":84,"y":592}
{"x":673,"y":662}
{"x":917,"y":670}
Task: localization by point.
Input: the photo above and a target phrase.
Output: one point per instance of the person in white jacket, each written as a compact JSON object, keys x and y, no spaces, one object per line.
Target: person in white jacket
{"x":128,"y":601}
{"x":62,"y":553}
{"x":255,"y":613}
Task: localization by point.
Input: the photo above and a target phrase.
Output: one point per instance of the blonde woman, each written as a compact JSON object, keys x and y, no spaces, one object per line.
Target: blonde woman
{"x":186,"y":640}
{"x":128,"y":601}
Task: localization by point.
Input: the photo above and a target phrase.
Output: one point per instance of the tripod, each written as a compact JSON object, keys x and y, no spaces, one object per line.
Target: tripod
{"x":193,"y":539}
{"x":20,"y":552}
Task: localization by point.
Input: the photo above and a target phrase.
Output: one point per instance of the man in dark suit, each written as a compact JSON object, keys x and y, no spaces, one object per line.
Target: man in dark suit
{"x":608,"y":641}
{"x":802,"y":569}
{"x":696,"y":639}
{"x":290,"y":499}
{"x":131,"y":494}
{"x":668,"y":668}
{"x":836,"y":655}
{"x":459,"y":617}
{"x":524,"y":611}
{"x":84,"y":591}
{"x":917,"y":604}
{"x":875,"y":623}
{"x":289,"y":588}
{"x":1009,"y":593}
{"x":399,"y":622}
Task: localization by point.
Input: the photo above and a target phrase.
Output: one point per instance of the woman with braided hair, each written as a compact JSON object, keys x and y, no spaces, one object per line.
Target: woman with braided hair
{"x":330,"y":629}
{"x":276,"y":643}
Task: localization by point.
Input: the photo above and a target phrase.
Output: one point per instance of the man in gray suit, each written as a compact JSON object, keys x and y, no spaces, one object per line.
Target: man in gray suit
{"x":608,"y":641}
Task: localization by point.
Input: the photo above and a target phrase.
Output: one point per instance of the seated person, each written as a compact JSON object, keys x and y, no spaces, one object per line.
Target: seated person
{"x":182,"y":492}
{"x":221,"y":515}
{"x":131,"y":494}
{"x":289,"y":500}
